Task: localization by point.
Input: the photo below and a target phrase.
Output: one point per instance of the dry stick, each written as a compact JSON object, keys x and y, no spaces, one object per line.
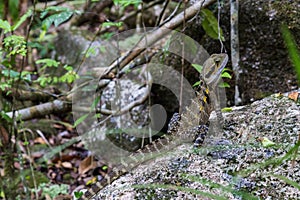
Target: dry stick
{"x":158,"y":22}
{"x":40,"y":110}
{"x":157,"y":34}
{"x":182,"y":64}
{"x":172,"y":14}
{"x":235,"y":53}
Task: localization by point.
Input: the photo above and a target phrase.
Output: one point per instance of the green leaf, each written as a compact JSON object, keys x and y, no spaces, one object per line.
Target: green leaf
{"x":49,"y":79}
{"x":10,"y":73}
{"x":125,"y":3}
{"x":70,"y":78}
{"x":104,"y":167}
{"x":5,"y":26}
{"x":48,"y":62}
{"x":267,"y":143}
{"x":80,"y":119}
{"x":57,"y":19}
{"x":62,"y":17}
{"x":226,"y":109}
{"x":78,"y":194}
{"x":210,"y":25}
{"x":4,"y":86}
{"x":2,"y":194}
{"x":226,"y":75}
{"x":26,"y":76}
{"x":294,"y":53}
{"x":53,"y":190}
{"x":224,"y":85}
{"x":68,"y":68}
{"x":42,"y":81}
{"x":55,"y":79}
{"x":22,"y":19}
{"x":198,"y":67}
{"x":5,"y":116}
{"x":95,"y":103}
{"x":42,"y":34}
{"x":196,"y":84}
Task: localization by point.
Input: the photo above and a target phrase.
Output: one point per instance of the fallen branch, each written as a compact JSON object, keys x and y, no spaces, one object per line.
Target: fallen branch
{"x":57,"y":106}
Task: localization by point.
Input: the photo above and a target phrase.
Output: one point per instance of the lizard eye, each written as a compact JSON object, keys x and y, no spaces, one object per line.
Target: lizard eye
{"x":217,"y":61}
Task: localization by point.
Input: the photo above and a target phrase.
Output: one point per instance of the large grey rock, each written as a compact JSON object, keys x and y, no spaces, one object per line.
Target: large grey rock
{"x":243,"y":164}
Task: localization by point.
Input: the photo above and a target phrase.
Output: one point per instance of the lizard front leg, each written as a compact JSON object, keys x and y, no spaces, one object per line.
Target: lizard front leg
{"x":199,"y":131}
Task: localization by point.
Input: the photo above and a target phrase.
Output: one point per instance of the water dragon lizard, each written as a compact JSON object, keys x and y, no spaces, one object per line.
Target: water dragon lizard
{"x":181,"y":128}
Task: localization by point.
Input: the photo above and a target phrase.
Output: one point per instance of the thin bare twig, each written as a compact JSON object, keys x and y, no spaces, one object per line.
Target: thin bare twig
{"x":235,"y":52}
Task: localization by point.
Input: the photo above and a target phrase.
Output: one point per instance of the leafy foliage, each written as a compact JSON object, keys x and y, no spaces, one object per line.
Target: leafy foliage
{"x":69,"y":77}
{"x":210,"y":25}
{"x":5,"y":26}
{"x":14,"y":45}
{"x":60,"y":15}
{"x":53,"y":190}
{"x":12,"y":76}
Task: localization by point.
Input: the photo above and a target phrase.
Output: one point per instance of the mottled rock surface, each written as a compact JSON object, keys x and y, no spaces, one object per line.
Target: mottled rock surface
{"x":235,"y":165}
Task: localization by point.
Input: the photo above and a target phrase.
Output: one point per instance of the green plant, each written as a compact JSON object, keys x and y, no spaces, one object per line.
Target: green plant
{"x":52,"y":190}
{"x":210,"y":25}
{"x":55,"y":15}
{"x":68,"y":77}
{"x":292,"y":49}
{"x":11,"y":76}
{"x":14,"y":52}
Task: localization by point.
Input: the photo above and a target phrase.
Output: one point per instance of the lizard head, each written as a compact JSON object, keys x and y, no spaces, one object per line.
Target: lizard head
{"x":212,"y":68}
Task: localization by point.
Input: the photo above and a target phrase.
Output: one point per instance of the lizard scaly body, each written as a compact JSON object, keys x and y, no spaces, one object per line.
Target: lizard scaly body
{"x":179,"y":131}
